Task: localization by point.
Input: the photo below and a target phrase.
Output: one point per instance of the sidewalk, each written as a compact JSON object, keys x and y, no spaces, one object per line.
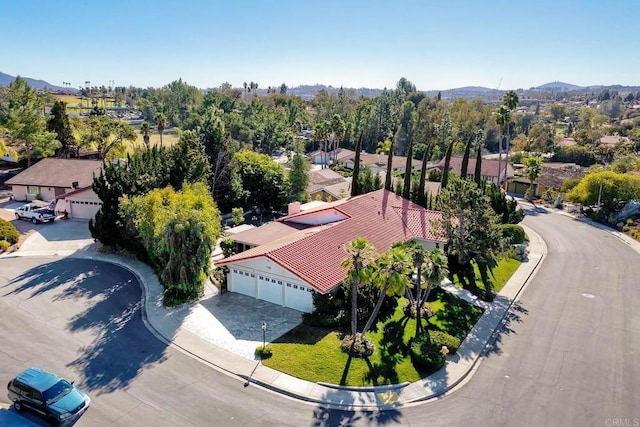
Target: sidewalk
{"x":194,"y":330}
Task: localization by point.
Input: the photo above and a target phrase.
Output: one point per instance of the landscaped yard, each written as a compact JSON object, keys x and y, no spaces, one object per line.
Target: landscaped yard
{"x":499,"y":276}
{"x":314,"y":354}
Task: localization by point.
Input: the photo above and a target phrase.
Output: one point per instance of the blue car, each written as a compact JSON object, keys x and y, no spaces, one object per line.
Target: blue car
{"x":48,"y":395}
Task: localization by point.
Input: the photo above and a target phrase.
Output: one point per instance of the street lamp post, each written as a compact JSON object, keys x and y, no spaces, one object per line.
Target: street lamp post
{"x":264,"y":334}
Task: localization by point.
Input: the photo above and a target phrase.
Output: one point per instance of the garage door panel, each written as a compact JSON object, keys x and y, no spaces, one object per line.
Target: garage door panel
{"x":271,"y":290}
{"x":298,"y":298}
{"x":243,"y":284}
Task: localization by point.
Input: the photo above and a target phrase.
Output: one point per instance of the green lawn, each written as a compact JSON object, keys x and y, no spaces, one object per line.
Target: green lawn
{"x":499,"y":276}
{"x":314,"y":354}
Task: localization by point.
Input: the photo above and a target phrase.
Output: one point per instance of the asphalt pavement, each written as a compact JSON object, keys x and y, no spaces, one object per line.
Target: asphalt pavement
{"x":195,"y":329}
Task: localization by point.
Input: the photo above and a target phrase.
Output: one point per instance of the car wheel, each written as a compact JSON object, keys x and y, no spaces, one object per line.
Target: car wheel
{"x":17,"y":216}
{"x":52,"y":421}
{"x":33,"y":220}
{"x":17,"y":406}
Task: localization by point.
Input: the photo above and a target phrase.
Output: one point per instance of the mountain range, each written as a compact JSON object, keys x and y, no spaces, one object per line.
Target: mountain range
{"x":309,"y":91}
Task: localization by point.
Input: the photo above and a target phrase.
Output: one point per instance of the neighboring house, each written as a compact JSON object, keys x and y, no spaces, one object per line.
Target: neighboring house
{"x":325,"y":184}
{"x":378,"y":162}
{"x":56,"y":179}
{"x":552,"y":177}
{"x":567,"y":142}
{"x":290,"y":259}
{"x":82,"y":203}
{"x":488,"y":171}
{"x":612,"y":141}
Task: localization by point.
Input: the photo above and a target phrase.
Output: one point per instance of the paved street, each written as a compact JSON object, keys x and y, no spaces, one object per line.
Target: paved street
{"x":566,"y":356}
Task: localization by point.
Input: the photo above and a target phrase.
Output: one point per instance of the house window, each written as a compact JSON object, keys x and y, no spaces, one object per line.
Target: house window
{"x":33,"y":189}
{"x":279,"y":282}
{"x":261,"y":278}
{"x":288,"y":285}
{"x":273,"y":280}
{"x":253,"y":275}
{"x":295,"y":286}
{"x":235,"y":271}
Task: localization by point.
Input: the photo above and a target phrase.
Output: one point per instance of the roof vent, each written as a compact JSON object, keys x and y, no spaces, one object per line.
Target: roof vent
{"x":74,"y":184}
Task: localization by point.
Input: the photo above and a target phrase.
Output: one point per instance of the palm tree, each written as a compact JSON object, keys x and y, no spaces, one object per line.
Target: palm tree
{"x":533,"y":168}
{"x":144,"y":130}
{"x":322,"y":130}
{"x":338,"y":129}
{"x":391,"y":274}
{"x":361,"y":252}
{"x":161,"y":121}
{"x":434,"y":273}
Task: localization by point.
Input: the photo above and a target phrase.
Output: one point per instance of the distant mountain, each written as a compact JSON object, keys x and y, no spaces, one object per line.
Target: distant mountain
{"x":558,"y":87}
{"x":6,"y":79}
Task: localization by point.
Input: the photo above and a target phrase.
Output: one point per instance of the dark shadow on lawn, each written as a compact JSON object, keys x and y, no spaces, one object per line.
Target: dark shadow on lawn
{"x":459,"y":316}
{"x":122,"y":346}
{"x":304,"y":334}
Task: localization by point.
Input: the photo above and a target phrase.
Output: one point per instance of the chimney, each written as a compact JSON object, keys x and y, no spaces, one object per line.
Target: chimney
{"x":294,"y":208}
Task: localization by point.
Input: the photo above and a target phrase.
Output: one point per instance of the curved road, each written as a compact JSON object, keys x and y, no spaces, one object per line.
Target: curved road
{"x":567,"y":354}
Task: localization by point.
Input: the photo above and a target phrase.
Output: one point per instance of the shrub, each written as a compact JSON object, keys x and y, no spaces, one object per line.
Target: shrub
{"x":513,"y":233}
{"x":8,"y":232}
{"x":362,"y":347}
{"x":426,"y":355}
{"x":439,"y":338}
{"x":4,"y":245}
{"x":263,"y":352}
{"x":625,"y":228}
{"x":410,"y":310}
{"x":629,"y":221}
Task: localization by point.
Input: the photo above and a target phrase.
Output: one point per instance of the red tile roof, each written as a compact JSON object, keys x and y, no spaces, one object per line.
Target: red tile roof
{"x":315,"y":254}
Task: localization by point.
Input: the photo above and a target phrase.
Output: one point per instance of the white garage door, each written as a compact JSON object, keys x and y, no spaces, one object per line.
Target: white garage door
{"x":84,"y":209}
{"x":243,"y":283}
{"x":298,"y":297}
{"x":270,"y":289}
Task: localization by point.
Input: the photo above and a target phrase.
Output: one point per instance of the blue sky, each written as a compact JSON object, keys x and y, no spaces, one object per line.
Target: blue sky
{"x":358,"y":43}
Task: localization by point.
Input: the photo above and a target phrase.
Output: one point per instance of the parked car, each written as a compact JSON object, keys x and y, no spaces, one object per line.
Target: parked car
{"x":35,"y":213}
{"x":48,"y":395}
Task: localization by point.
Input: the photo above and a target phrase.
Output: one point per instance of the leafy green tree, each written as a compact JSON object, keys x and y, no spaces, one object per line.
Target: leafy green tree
{"x":321,"y":133}
{"x":179,"y":231}
{"x":107,"y":136}
{"x":5,"y":149}
{"x":558,"y":111}
{"x":189,"y":161}
{"x":264,"y":182}
{"x":238,"y":216}
{"x":21,"y":115}
{"x":533,"y":168}
{"x":59,"y":124}
{"x":299,"y":179}
{"x":471,"y":226}
{"x":608,"y":188}
{"x":506,"y":208}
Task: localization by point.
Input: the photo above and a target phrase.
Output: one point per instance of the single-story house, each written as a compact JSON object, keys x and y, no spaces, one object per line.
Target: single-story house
{"x":290,"y":259}
{"x":69,"y":180}
{"x":82,"y":203}
{"x":326,"y":183}
{"x":612,"y":140}
{"x":488,"y":170}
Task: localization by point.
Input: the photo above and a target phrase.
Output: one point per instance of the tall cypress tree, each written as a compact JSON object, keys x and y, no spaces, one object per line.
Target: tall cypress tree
{"x":356,"y":169}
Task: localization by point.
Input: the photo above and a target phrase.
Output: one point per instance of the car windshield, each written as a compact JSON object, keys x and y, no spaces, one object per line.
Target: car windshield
{"x":57,"y":391}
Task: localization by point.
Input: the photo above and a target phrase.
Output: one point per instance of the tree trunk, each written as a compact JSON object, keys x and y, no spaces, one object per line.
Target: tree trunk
{"x":418,"y":304}
{"x":376,"y":309}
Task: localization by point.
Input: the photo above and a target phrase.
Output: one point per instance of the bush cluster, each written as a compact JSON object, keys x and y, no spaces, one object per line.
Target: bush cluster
{"x":362,"y":347}
{"x":427,"y":355}
{"x":514,"y":233}
{"x":4,"y":245}
{"x":263,"y":352}
{"x":635,"y":233}
{"x":439,"y":338}
{"x":8,"y":232}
